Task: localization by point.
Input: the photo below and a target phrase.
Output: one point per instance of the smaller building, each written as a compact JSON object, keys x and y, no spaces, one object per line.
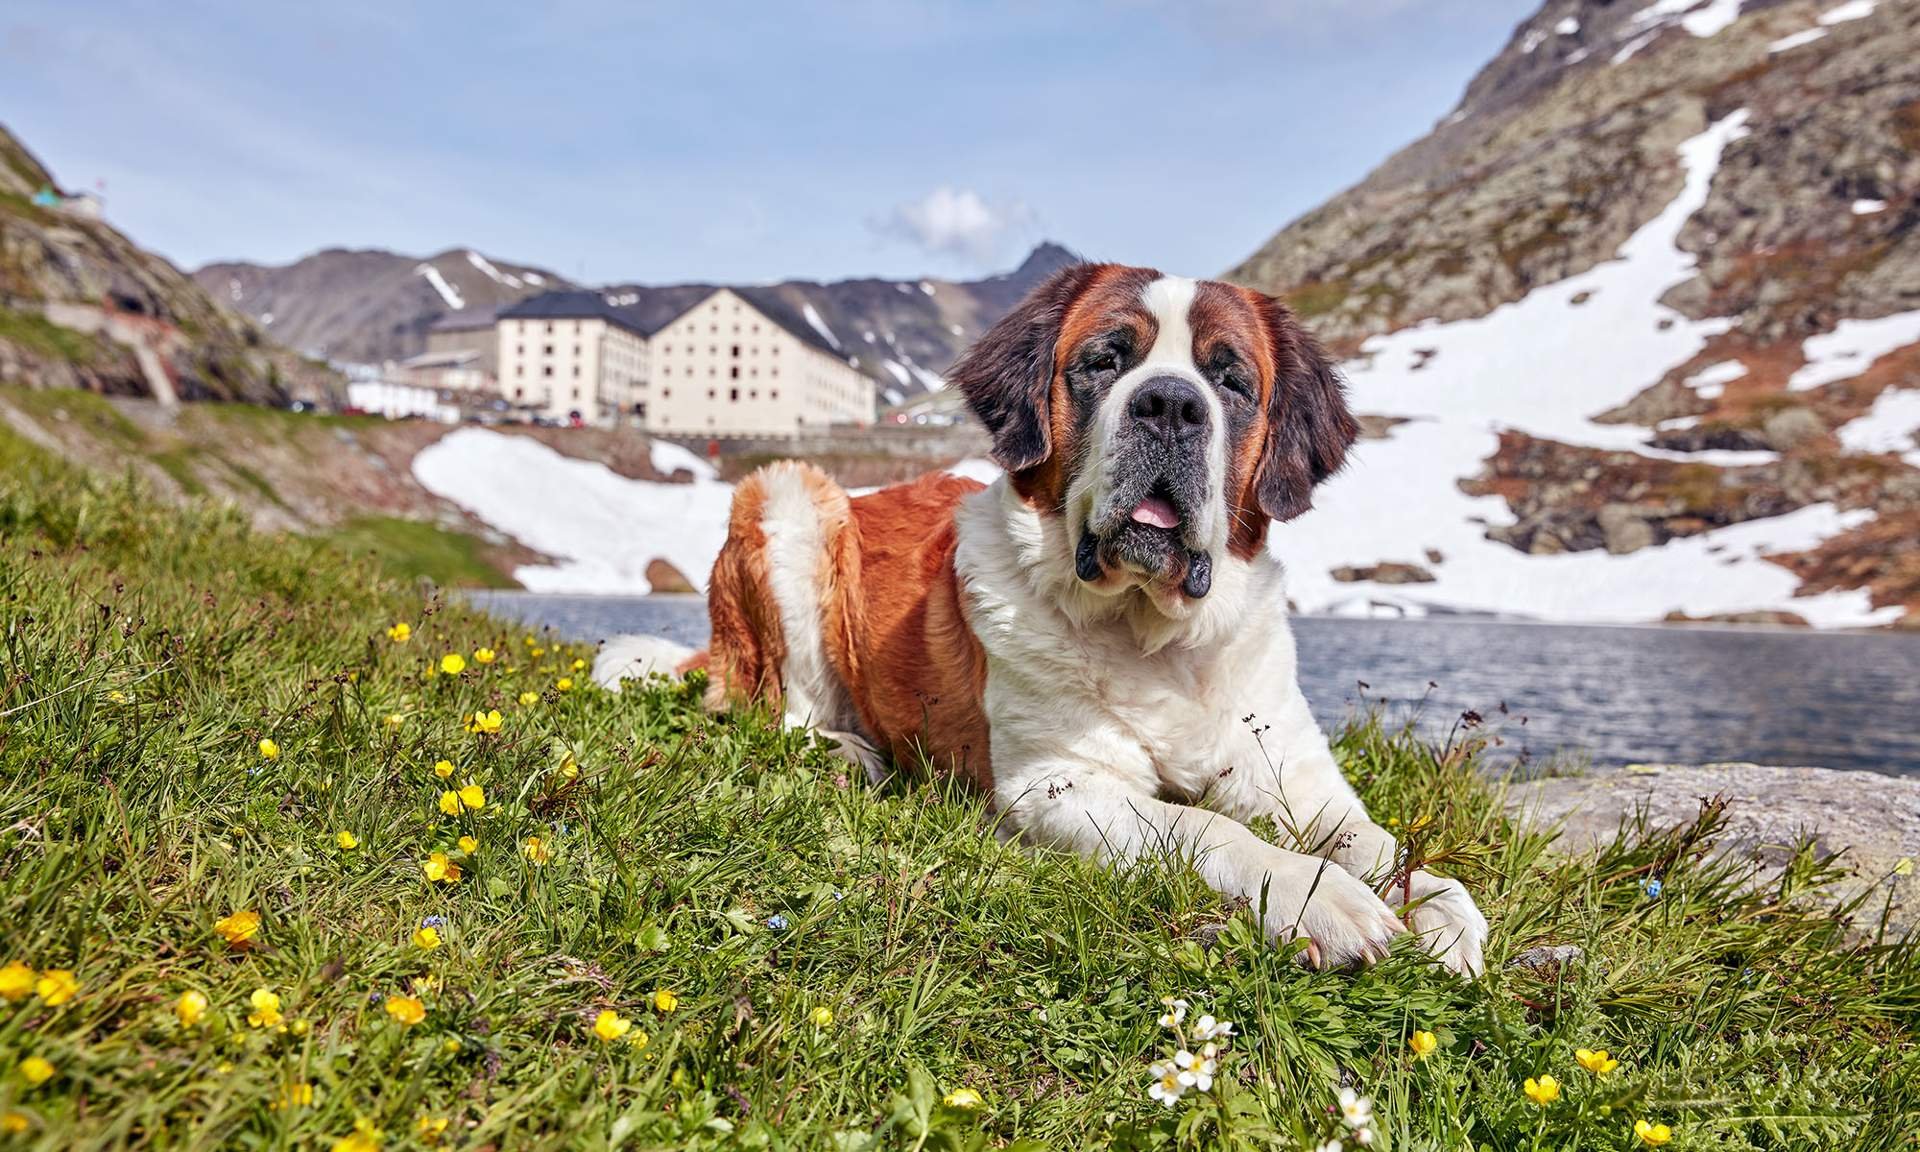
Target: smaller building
{"x":572,"y":357}
{"x":462,"y":333}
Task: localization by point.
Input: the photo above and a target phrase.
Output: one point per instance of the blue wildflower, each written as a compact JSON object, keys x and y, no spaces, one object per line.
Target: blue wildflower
{"x":1651,"y":888}
{"x":434,"y":922}
{"x":777,"y":922}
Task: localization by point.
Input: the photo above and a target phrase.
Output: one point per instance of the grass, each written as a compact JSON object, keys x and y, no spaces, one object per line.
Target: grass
{"x":41,"y":336}
{"x":149,"y":650}
{"x":412,"y":549}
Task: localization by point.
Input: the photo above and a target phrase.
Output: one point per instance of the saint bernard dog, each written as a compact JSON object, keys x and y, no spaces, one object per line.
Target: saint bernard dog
{"x":1098,"y":639}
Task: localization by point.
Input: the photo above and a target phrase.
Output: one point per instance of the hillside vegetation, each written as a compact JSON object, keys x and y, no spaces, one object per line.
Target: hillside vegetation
{"x":291,"y":857}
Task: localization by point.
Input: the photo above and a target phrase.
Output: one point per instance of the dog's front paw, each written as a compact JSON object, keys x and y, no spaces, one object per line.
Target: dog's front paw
{"x":1346,"y":924}
{"x":1446,"y":920}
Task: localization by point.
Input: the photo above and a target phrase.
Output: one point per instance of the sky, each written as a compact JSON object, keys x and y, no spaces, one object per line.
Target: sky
{"x":621,"y":140}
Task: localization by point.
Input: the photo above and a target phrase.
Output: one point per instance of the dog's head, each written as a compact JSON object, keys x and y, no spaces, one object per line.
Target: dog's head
{"x":1167,"y":420}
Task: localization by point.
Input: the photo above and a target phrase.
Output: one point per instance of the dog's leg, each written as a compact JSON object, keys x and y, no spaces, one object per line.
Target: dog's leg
{"x":1306,"y":793}
{"x":1099,"y":813}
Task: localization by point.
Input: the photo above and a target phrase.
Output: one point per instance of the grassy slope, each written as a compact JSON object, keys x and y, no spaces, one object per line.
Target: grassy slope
{"x":148,"y":650}
{"x":209,"y":447}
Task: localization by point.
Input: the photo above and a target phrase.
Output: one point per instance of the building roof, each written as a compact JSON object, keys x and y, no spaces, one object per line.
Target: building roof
{"x":646,"y":311}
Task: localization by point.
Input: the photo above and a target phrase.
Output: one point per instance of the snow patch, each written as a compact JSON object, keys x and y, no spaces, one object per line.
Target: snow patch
{"x":894,"y":395}
{"x":1634,"y":45}
{"x":1710,"y":383}
{"x":1890,"y":425}
{"x":1568,"y":26}
{"x":1798,"y":39}
{"x":668,"y":458}
{"x":1868,"y":207}
{"x":926,"y":287}
{"x":490,"y":272}
{"x":447,"y":291}
{"x":1534,"y":39}
{"x":1853,"y":10}
{"x":533,"y":277}
{"x":820,"y":326}
{"x":897,"y":371}
{"x":932,"y":382}
{"x":600,"y":527}
{"x":1852,"y":347}
{"x":1700,"y":20}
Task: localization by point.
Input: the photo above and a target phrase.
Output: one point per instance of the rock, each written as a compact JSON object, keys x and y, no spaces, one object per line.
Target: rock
{"x":1548,"y":960}
{"x":1790,"y":427}
{"x":663,"y":577}
{"x":1712,"y":437}
{"x":1666,"y":400}
{"x":1434,"y":556}
{"x":1387,"y":572}
{"x":1874,"y":819}
{"x":1626,"y":530}
{"x":1775,"y":618}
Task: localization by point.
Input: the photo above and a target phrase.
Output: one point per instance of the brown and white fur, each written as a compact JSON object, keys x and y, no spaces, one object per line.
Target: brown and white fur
{"x":1098,"y":639}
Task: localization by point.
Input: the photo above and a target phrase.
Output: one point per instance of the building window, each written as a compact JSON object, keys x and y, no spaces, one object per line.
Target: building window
{"x":774,"y":395}
{"x":736,"y":351}
{"x":576,"y":371}
{"x":753,"y":394}
{"x":547,"y":351}
{"x":734,"y":372}
{"x":576,"y":393}
{"x":666,"y":393}
{"x":519,"y":349}
{"x":519,"y":392}
{"x":547,"y":371}
{"x":519,"y":369}
{"x":711,"y":394}
{"x":549,"y":327}
{"x":733,"y":394}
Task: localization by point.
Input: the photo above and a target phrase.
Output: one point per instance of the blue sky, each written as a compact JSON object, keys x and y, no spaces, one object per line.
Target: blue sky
{"x":731,"y":141}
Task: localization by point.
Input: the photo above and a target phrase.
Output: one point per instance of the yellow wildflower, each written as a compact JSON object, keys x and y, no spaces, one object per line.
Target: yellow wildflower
{"x":239,"y":928}
{"x":427,"y":938}
{"x":579,"y":665}
{"x":14,"y":1123}
{"x":536,"y":851}
{"x":452,"y":664}
{"x":56,"y":986}
{"x":564,"y":684}
{"x":469,"y":845}
{"x":450,"y":803}
{"x":1596,"y":1062}
{"x":301,"y":1027}
{"x":394,"y":720}
{"x":1423,"y":1044}
{"x":1904,"y":866}
{"x":296,"y":1095}
{"x":406,"y":1009}
{"x":266,"y":1009}
{"x":17,"y":980}
{"x":484,"y":723}
{"x":484,"y":656}
{"x":190,"y":1008}
{"x":1653,"y":1134}
{"x":269,"y":748}
{"x":473,"y":796}
{"x":364,"y":1138}
{"x":347,"y":840}
{"x":537,"y":652}
{"x":529,"y":699}
{"x":569,"y":768}
{"x":400,"y":632}
{"x":963,"y":1098}
{"x":430,"y":1128}
{"x":822,"y":1016}
{"x":36,"y":1071}
{"x":664,"y":1000}
{"x":1543,"y":1091}
{"x":443,"y":768}
{"x":610,"y":1026}
{"x":439,"y":869}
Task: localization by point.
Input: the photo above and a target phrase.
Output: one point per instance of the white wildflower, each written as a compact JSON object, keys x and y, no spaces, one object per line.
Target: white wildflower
{"x":1195,"y":1072}
{"x":1331,"y":1146}
{"x":1363,"y":1136}
{"x":1207,"y":1028}
{"x":1356,"y":1109}
{"x":1176,"y":1013}
{"x":1166,"y":1086}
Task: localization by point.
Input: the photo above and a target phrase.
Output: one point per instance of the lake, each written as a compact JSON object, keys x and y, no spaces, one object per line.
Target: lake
{"x":1610,"y":695}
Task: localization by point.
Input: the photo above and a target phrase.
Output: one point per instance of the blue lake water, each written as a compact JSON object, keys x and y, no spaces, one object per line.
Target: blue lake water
{"x":1608,"y":695}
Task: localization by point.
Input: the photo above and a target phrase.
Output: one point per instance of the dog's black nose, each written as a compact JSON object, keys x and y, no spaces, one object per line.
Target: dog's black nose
{"x":1171,"y":406}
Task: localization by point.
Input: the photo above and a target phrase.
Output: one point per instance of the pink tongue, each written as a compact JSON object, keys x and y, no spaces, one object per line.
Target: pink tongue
{"x":1157,"y":512}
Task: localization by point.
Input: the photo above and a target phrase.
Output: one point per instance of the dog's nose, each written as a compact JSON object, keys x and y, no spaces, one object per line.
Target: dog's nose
{"x":1170,"y":406}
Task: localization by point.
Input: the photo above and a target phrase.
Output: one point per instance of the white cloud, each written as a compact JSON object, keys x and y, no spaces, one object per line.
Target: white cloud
{"x":955,"y":222}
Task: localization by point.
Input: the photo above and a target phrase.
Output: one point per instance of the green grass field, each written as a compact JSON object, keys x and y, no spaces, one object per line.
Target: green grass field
{"x":782,"y":957}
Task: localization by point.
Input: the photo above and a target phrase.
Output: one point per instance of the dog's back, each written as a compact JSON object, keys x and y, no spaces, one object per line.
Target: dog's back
{"x":844,"y":614}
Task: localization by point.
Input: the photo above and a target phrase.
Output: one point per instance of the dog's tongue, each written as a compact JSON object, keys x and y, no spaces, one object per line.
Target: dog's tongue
{"x":1156,"y":512}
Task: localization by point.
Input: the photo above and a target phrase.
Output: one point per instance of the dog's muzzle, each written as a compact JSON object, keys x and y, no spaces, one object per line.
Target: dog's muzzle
{"x":1157,"y":483}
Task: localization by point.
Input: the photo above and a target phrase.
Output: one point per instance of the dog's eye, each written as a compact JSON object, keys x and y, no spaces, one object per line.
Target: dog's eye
{"x":1099,"y":360}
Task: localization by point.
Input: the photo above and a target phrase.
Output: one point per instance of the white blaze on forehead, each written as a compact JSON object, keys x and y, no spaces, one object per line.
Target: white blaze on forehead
{"x":1170,"y":301}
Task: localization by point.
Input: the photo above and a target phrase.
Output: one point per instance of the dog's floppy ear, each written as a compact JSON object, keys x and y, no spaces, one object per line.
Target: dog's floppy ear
{"x":1007,"y":376}
{"x":1309,"y":426}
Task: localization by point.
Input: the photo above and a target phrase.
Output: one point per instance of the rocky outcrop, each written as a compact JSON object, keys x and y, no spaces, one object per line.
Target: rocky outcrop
{"x":1390,"y":572}
{"x":1561,"y":148}
{"x":81,"y":306}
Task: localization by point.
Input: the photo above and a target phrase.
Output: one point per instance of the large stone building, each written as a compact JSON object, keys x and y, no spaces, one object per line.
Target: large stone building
{"x":693,"y":362}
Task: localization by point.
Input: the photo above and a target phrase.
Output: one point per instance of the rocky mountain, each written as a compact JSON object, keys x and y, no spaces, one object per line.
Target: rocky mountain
{"x":368,"y":305}
{"x":82,"y":306}
{"x":373,"y":305}
{"x":1641,"y":316}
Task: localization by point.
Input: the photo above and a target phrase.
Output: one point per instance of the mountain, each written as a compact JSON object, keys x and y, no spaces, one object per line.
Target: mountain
{"x":82,"y":306}
{"x":373,"y":305}
{"x":368,"y":305}
{"x":1639,"y":325}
